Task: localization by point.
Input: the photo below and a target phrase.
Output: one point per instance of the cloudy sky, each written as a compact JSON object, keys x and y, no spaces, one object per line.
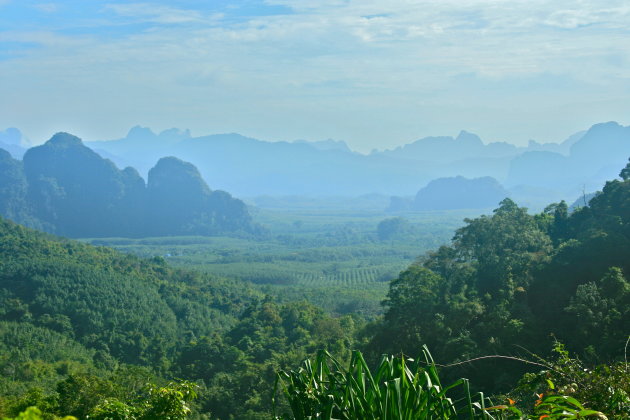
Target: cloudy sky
{"x":375,"y":73}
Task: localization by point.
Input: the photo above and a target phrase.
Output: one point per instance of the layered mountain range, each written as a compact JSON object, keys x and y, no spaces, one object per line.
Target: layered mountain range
{"x":66,"y":188}
{"x":532,"y":176}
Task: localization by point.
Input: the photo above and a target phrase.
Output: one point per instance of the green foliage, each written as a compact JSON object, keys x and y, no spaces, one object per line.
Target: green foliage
{"x":31,"y":355}
{"x":136,"y":310}
{"x":84,"y":329}
{"x":334,"y":260}
{"x":79,"y":394}
{"x":70,"y":314}
{"x":170,"y":402}
{"x":400,"y":388}
{"x":113,"y":409}
{"x":605,"y":387}
{"x":505,"y":276}
{"x":625,"y":172}
{"x":504,"y":249}
{"x":75,"y":316}
{"x":601,"y":308}
{"x":583,"y":287}
{"x":411,"y":296}
{"x":394,"y":228}
{"x":239,"y":367}
{"x":563,"y":407}
{"x":33,"y":413}
{"x":97,"y":399}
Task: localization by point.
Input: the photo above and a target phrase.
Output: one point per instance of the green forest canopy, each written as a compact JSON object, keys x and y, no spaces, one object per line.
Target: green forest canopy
{"x":507,"y":281}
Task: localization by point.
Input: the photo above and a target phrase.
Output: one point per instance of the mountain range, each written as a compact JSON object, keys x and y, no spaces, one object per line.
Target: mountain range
{"x":536,"y":174}
{"x":533,"y":175}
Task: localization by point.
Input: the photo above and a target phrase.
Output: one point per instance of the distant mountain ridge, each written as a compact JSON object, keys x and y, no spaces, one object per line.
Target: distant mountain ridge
{"x":251,"y":167}
{"x":534,"y":175}
{"x":329,"y":144}
{"x":593,"y":159}
{"x":449,"y":149}
{"x":66,"y":188}
{"x":468,"y":145}
{"x":452,"y":194}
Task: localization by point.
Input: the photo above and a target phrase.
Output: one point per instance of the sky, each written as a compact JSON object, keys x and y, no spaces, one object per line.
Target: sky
{"x":374,"y":73}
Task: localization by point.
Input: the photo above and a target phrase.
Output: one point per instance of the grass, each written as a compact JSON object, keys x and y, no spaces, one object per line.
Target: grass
{"x":399,"y":389}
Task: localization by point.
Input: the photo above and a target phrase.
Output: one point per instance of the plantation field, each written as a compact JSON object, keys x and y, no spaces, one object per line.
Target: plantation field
{"x":333,"y":258}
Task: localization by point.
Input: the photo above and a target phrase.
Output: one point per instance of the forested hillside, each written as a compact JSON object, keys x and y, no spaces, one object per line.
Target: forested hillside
{"x":66,"y":188}
{"x":510,"y":283}
{"x":107,"y":323}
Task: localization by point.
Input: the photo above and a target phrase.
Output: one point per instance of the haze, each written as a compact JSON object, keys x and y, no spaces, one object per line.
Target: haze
{"x":376,"y":74}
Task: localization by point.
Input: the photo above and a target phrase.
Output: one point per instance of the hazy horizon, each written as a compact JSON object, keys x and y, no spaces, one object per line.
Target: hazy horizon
{"x":30,"y":142}
{"x":374,"y":74}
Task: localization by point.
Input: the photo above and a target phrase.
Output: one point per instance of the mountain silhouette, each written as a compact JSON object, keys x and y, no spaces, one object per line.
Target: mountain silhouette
{"x":66,"y":188}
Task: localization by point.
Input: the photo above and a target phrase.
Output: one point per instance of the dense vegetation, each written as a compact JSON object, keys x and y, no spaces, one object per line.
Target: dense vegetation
{"x":66,"y":188}
{"x":338,"y":260}
{"x":511,"y":282}
{"x":405,"y":388}
{"x":116,"y":322}
{"x":87,"y":329}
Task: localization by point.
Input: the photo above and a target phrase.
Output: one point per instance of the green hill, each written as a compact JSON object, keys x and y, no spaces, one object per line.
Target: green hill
{"x":72,"y":314}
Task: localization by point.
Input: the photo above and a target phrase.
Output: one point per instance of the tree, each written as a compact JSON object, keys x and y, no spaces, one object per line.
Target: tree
{"x":79,"y":394}
{"x":600,"y":310}
{"x":34,"y":413}
{"x":625,"y":172}
{"x":504,"y":248}
{"x":393,"y":228}
{"x":413,"y":305}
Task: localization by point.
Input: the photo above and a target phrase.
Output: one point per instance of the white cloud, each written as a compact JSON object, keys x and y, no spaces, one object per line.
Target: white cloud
{"x":55,"y":42}
{"x":155,"y":13}
{"x":362,"y":70}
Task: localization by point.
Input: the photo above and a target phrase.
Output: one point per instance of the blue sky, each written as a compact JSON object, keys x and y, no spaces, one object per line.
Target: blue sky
{"x":375,"y":73}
